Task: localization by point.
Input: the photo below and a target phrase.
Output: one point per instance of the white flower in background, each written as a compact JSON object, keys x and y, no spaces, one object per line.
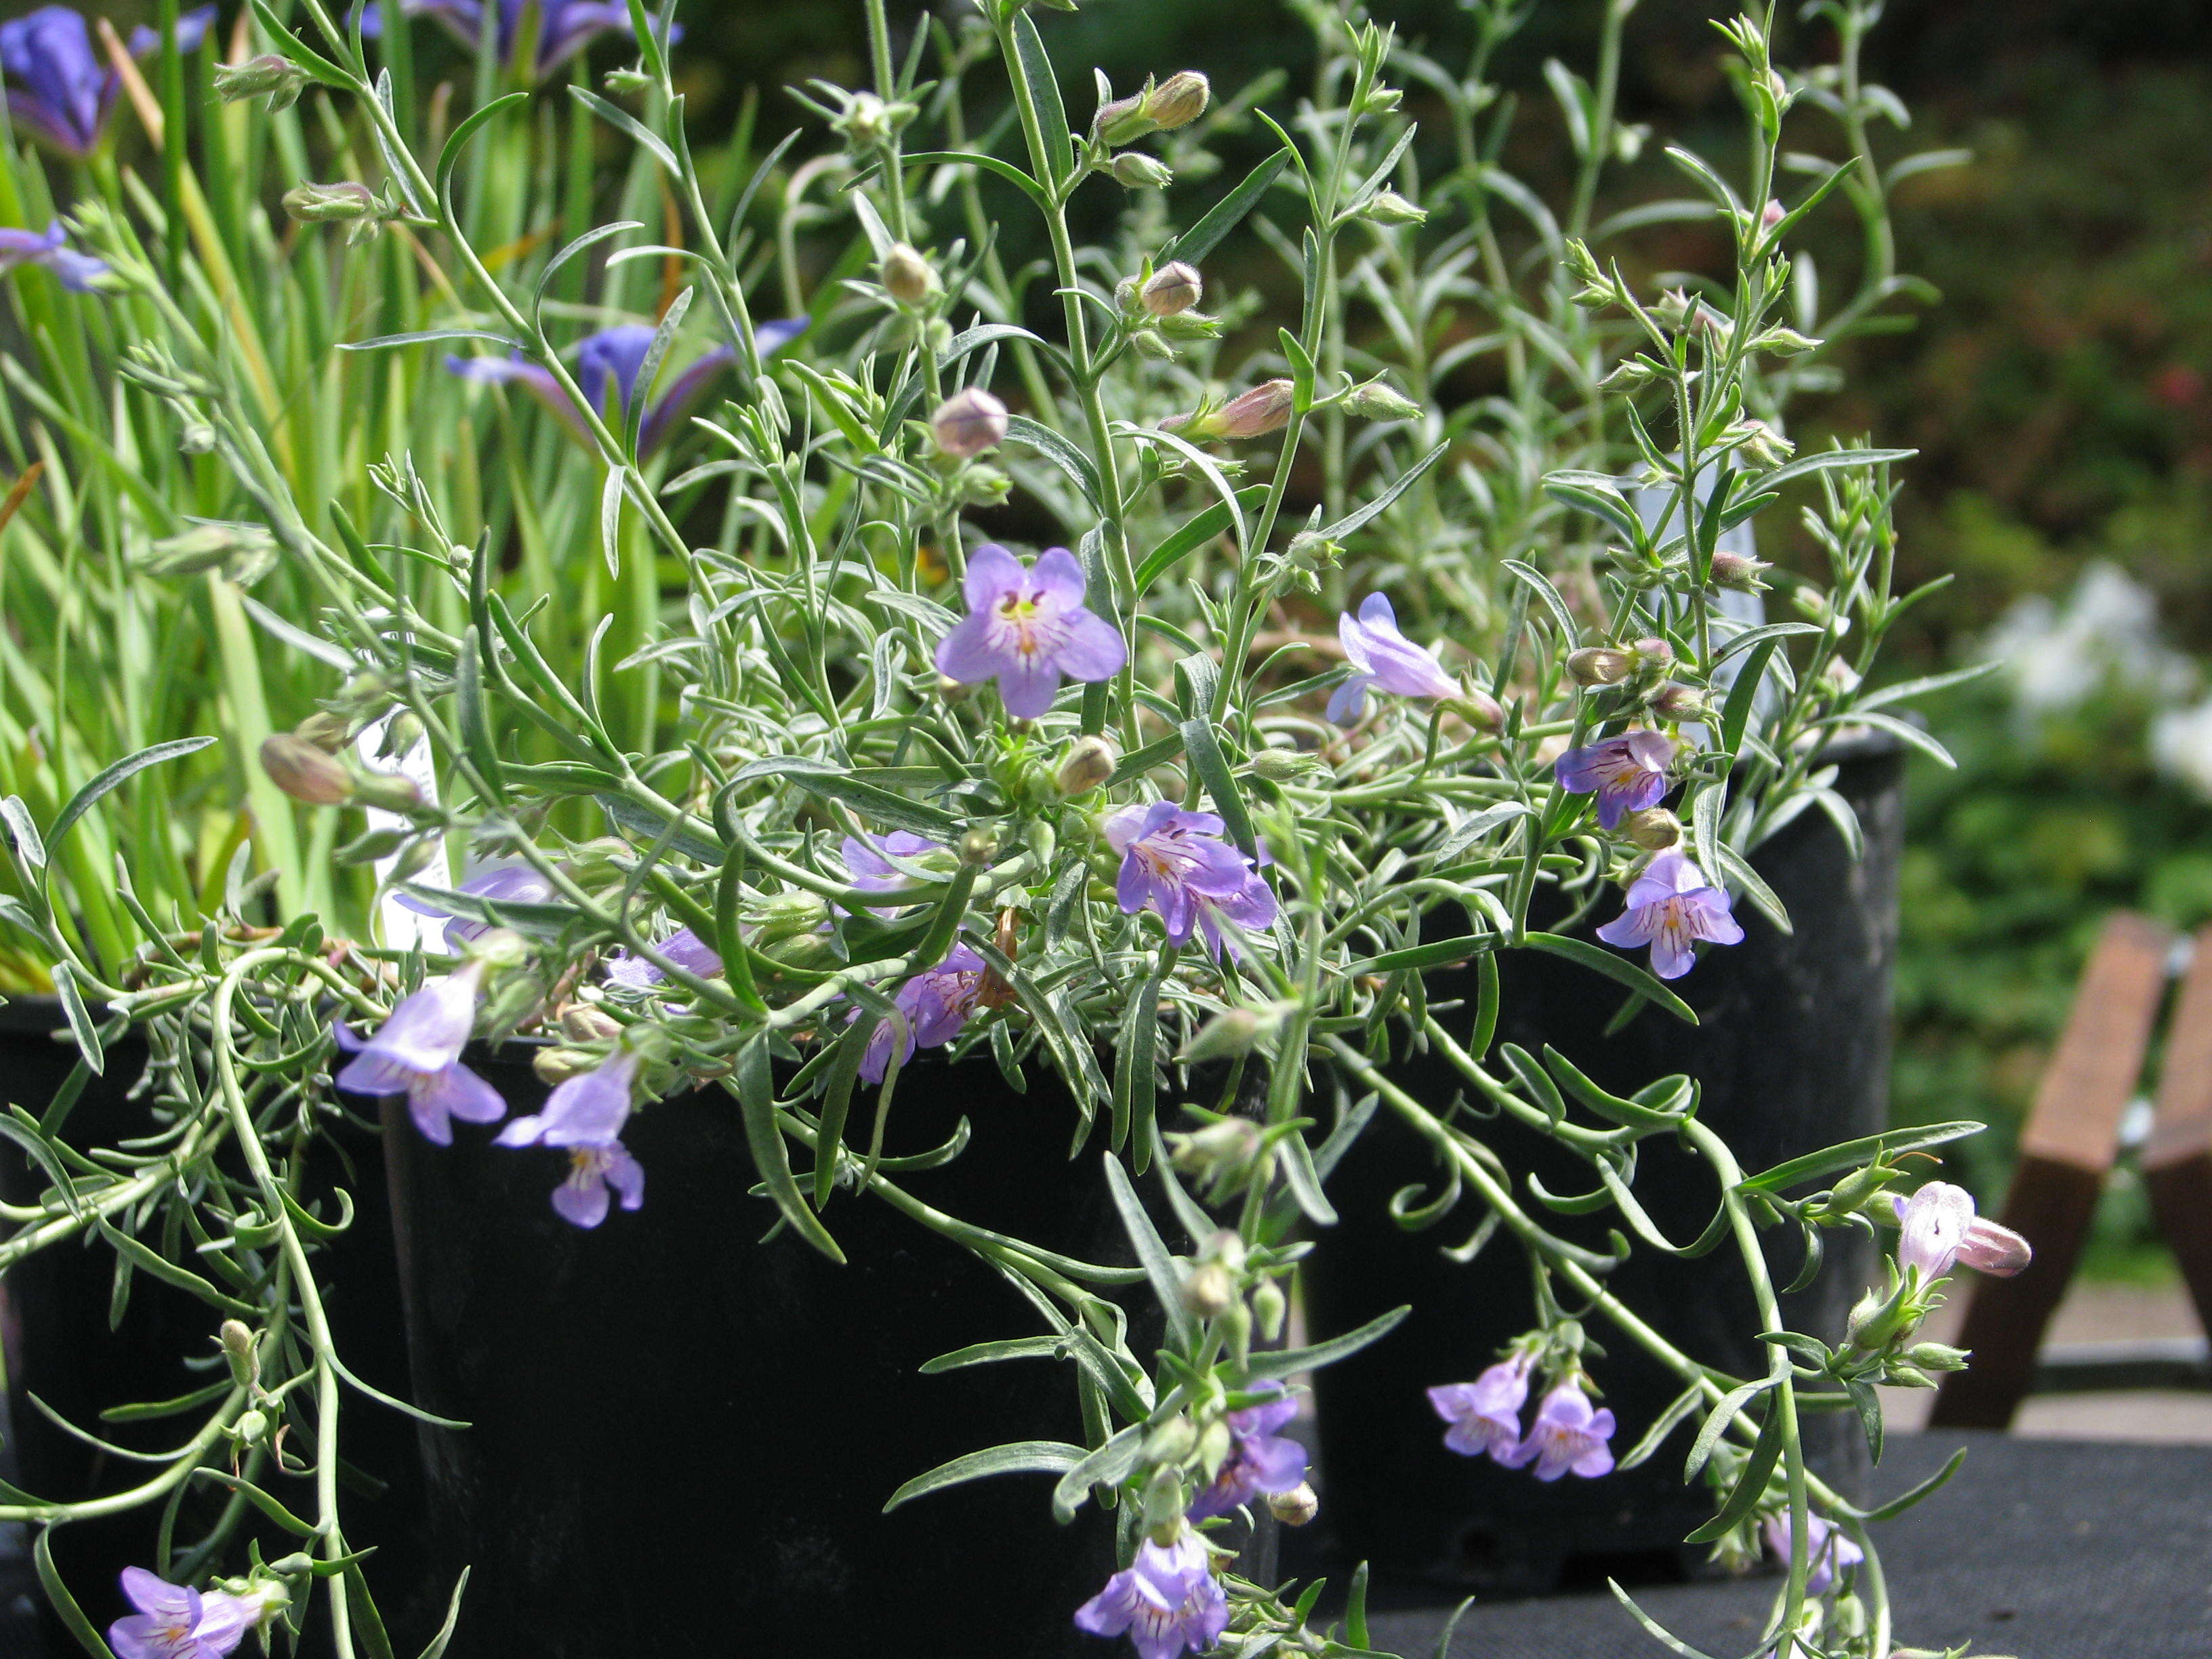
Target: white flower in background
{"x":2181,"y":745}
{"x":2057,"y":656}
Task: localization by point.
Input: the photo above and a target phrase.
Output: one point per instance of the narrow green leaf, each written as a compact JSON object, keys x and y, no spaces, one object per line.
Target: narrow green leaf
{"x":1889,"y":1144}
{"x":1614,"y":968}
{"x":437,"y":1648}
{"x":1928,"y":1488}
{"x":1016,"y":1458}
{"x":756,"y":1093}
{"x":1153,"y":1254}
{"x":1020,"y":428}
{"x":1366,"y":511}
{"x":113,"y":777}
{"x":1288,"y":1361}
{"x":1035,"y":67}
{"x":1224,"y":215}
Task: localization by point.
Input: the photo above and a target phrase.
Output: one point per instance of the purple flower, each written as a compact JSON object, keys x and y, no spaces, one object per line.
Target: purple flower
{"x":1669,"y":906}
{"x":1166,"y":1601}
{"x":174,"y":1622}
{"x":1485,"y":1414}
{"x":63,"y":91}
{"x":1176,"y":864}
{"x":1566,"y":1435}
{"x":685,"y":948}
{"x":585,"y":1114}
{"x":513,"y":882}
{"x":417,"y":1052}
{"x":76,"y":270}
{"x":563,"y":27}
{"x":871,"y":871}
{"x":1381,"y":656}
{"x":1938,"y":1229}
{"x":931,"y":1007}
{"x":1828,"y":1550}
{"x":616,"y":356}
{"x":1025,"y":628}
{"x":1629,"y":773}
{"x":1259,"y":1461}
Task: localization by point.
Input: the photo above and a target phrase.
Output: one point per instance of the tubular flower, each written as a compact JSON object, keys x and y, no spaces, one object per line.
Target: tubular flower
{"x":1177,"y":865}
{"x":1485,"y":1415}
{"x":871,"y":871}
{"x":683,"y":947}
{"x":615,"y":357}
{"x":175,"y":1622}
{"x":1629,"y":773}
{"x":417,"y":1052}
{"x":63,"y":91}
{"x":1381,"y":656}
{"x":514,"y":881}
{"x":585,"y":1116}
{"x":1670,"y":906}
{"x":931,"y":1007}
{"x":75,"y":270}
{"x":1938,"y":1229}
{"x":1827,"y":1549}
{"x":1259,"y":1461}
{"x":1567,"y":1434}
{"x":1026,"y":627}
{"x":1166,"y":1601}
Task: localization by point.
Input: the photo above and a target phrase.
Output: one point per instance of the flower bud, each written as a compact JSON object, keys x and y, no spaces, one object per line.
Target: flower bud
{"x":1674,"y":701}
{"x":1266,"y":408}
{"x":1738,"y":571}
{"x":240,"y":1350}
{"x":198,"y":438}
{"x":1772,"y":215}
{"x":1378,"y":400}
{"x":1296,"y":1507}
{"x":1992,"y":1248}
{"x":907,"y":277}
{"x":1221,"y":1155}
{"x":1653,"y":652}
{"x":1654,"y":828}
{"x":305,"y":772}
{"x":241,"y":553}
{"x":279,"y":78}
{"x":1150,"y":342}
{"x":394,"y":791}
{"x":1164,"y":1499}
{"x":1387,"y":207}
{"x":1134,"y":170}
{"x":1172,"y":290}
{"x":1600,"y":664}
{"x":1090,"y":761}
{"x":1381,"y":101}
{"x":1171,"y":1442}
{"x":251,"y":1427}
{"x":1122,"y":122}
{"x":978,"y":847}
{"x":499,"y":947}
{"x":581,"y":1022}
{"x":1284,"y":765}
{"x":1936,"y":1357}
{"x":1477,"y":709}
{"x":318,"y":204}
{"x":1208,"y":1290}
{"x":1178,"y":100}
{"x":951,"y":690}
{"x":555,"y":1066}
{"x":1231,"y":1032}
{"x":327,"y":731}
{"x":1784,"y":342}
{"x":371,"y":846}
{"x":791,"y":915}
{"x":1269,"y":1309}
{"x":1764,"y":446}
{"x":1673,"y":308}
{"x":969,"y":422}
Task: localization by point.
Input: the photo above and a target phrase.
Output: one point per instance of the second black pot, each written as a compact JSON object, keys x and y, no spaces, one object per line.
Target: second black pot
{"x":684,"y":1436}
{"x":1792,"y":1054}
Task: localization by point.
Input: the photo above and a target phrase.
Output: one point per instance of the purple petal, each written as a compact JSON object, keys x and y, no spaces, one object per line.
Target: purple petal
{"x":993,"y":573}
{"x":768,"y":338}
{"x":627,"y":1176}
{"x":1058,"y":575}
{"x":1093,"y":649}
{"x":1671,"y":956}
{"x":1027,"y":686}
{"x":968,"y":653}
{"x":1347,"y":704}
{"x":1630,"y":928}
{"x":683,"y":391}
{"x":461,"y":1093}
{"x":581,"y":1199}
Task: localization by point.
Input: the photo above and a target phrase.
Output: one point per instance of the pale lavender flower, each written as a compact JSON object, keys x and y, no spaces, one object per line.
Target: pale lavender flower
{"x":176,"y":1622}
{"x":417,"y":1052}
{"x":1381,"y":656}
{"x":871,"y":871}
{"x":1259,"y":1461}
{"x":563,"y":27}
{"x":75,"y":270}
{"x":1177,"y":865}
{"x":931,"y":1007}
{"x":65,"y":90}
{"x":1567,"y":1434}
{"x":1628,"y":772}
{"x":513,"y":882}
{"x":1670,"y":906}
{"x":685,"y":948}
{"x":1026,"y":627}
{"x":1485,"y":1415}
{"x":1828,"y":1549}
{"x":1938,"y":1230}
{"x":585,"y":1116}
{"x":615,"y":357}
{"x":1166,"y":1601}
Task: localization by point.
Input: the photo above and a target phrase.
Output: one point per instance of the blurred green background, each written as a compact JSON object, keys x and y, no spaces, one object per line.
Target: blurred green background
{"x":2059,"y":392}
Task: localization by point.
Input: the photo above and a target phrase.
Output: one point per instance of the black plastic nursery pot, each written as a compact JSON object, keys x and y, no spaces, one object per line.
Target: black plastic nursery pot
{"x":65,"y":1348}
{"x":1792,"y":1053}
{"x":682,"y":1435}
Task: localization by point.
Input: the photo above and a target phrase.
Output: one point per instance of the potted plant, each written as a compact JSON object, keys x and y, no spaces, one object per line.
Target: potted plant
{"x":921,"y":858}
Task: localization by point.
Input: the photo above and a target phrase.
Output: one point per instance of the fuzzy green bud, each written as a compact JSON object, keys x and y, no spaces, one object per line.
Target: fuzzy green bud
{"x":1231,"y":1032}
{"x":1208,"y":1290}
{"x":1178,"y":100}
{"x":241,"y":553}
{"x":1387,"y":207}
{"x":581,"y":1022}
{"x":392,"y":792}
{"x":1269,"y":1309}
{"x":1090,"y":761}
{"x":1171,"y":1442}
{"x":251,"y":1427}
{"x":240,"y":1350}
{"x":1254,"y":414}
{"x":1172,"y":290}
{"x":1738,"y":571}
{"x":555,"y":1066}
{"x":1674,"y":701}
{"x":1378,"y":400}
{"x":305,"y":772}
{"x":1296,"y":1507}
{"x":1124,"y":121}
{"x":317,"y":204}
{"x":1134,"y":170}
{"x":1284,"y":765}
{"x":1600,"y":664}
{"x":1673,"y":308}
{"x":327,"y":731}
{"x":371,"y":846}
{"x":907,"y":277}
{"x":969,"y":422}
{"x":1655,"y":828}
{"x":278,"y":79}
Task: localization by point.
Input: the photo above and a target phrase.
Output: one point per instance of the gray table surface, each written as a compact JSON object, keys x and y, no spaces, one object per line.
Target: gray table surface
{"x":2044,"y":1549}
{"x":2039,"y":1549}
